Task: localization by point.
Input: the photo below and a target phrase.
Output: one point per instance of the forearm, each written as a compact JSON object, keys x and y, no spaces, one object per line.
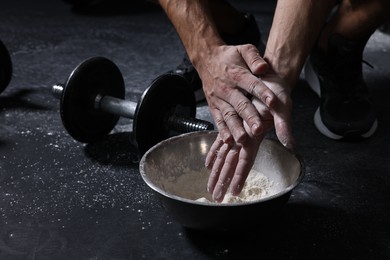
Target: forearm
{"x":195,"y":26}
{"x":295,"y":28}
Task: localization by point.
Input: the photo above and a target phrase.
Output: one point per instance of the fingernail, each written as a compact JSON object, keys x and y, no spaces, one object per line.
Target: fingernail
{"x":265,"y":65}
{"x":291,"y":144}
{"x":256,"y":129}
{"x":283,"y":141}
{"x":287,"y":144}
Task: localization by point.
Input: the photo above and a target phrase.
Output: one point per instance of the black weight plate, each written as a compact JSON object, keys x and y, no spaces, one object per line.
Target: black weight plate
{"x":94,"y":76}
{"x":5,"y":67}
{"x":167,"y":94}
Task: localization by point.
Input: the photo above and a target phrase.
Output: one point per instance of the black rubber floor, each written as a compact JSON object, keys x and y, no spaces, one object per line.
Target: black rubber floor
{"x":60,"y":199}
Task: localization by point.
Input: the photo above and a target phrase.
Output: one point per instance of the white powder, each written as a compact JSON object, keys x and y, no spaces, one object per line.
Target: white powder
{"x":192,"y":185}
{"x":256,"y":186}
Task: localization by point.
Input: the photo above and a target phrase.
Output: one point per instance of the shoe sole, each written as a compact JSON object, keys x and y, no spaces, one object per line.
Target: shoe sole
{"x":314,"y":84}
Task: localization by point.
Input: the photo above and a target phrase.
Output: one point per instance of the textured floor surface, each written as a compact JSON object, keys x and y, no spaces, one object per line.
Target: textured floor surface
{"x":60,"y":199}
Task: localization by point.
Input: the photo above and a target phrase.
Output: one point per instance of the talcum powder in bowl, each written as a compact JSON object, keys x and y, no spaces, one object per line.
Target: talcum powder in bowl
{"x":175,"y":170}
{"x":192,"y":185}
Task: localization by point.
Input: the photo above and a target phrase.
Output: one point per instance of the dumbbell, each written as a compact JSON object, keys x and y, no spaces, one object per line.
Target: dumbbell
{"x":5,"y":67}
{"x":92,"y":101}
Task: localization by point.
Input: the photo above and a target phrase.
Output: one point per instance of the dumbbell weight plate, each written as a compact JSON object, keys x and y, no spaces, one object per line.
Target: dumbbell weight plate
{"x":94,"y":76}
{"x":5,"y":67}
{"x":168,"y":94}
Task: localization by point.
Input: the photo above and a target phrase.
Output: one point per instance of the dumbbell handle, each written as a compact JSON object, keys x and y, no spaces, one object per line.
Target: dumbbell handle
{"x":107,"y":104}
{"x":124,"y":108}
{"x":116,"y":106}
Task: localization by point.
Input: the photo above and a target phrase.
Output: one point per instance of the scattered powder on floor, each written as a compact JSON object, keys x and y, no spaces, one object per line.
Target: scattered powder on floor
{"x":192,"y":185}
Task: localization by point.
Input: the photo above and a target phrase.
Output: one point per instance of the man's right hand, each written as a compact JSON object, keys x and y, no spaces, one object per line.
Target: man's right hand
{"x":230,"y":78}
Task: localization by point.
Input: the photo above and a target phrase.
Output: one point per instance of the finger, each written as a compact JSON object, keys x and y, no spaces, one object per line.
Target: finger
{"x":212,"y":154}
{"x":243,"y":110}
{"x":258,"y":89}
{"x":226,"y":173}
{"x":267,"y":119}
{"x":223,"y":130}
{"x":282,"y":121}
{"x":233,"y":119}
{"x":217,"y":166}
{"x":256,"y":64}
{"x":245,"y":164}
{"x":251,"y":83}
{"x":279,"y":117}
{"x":283,"y":130}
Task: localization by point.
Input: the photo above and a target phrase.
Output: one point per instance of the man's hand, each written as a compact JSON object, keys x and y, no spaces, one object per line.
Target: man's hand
{"x":230,"y":78}
{"x":230,"y":163}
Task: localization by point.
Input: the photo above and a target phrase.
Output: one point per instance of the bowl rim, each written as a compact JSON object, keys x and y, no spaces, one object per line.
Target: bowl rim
{"x":160,"y":191}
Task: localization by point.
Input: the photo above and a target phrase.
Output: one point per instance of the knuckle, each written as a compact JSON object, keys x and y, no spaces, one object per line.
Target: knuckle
{"x":253,"y":118}
{"x":220,"y":124}
{"x":266,"y":92}
{"x":219,"y":121}
{"x":252,"y":86}
{"x":229,"y":115}
{"x":242,"y":105}
{"x":255,"y":60}
{"x":236,"y":74}
{"x":249,"y":47}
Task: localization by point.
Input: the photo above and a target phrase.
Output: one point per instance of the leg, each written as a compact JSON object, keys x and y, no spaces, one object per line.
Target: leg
{"x":334,"y":70}
{"x":356,"y":20}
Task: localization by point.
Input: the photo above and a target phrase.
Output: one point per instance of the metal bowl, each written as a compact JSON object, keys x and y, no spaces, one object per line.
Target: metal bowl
{"x":163,"y":164}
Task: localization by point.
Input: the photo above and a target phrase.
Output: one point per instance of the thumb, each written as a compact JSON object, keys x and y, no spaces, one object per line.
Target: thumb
{"x":284,"y":134}
{"x":283,"y":129}
{"x":281,"y":110}
{"x":256,"y":64}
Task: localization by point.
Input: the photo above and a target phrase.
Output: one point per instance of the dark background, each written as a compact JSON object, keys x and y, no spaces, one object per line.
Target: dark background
{"x":60,"y":199}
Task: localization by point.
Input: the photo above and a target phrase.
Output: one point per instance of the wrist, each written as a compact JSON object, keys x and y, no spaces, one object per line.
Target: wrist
{"x":287,"y":70}
{"x":203,"y":50}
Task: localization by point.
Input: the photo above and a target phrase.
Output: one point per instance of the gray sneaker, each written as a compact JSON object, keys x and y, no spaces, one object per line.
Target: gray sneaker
{"x":346,"y":111}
